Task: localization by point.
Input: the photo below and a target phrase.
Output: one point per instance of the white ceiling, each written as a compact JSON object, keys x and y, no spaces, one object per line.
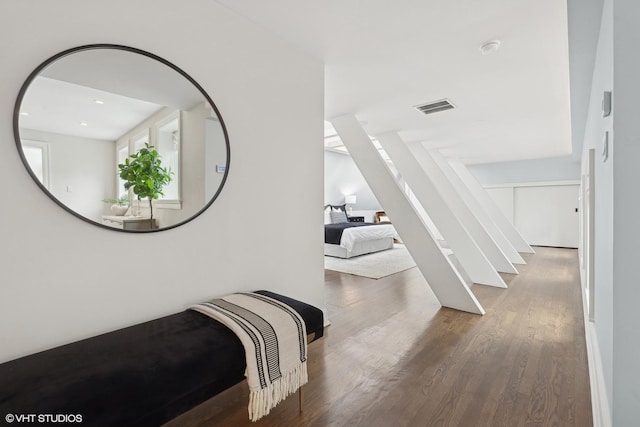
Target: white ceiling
{"x":382,"y":58}
{"x":131,"y":87}
{"x":65,"y":108}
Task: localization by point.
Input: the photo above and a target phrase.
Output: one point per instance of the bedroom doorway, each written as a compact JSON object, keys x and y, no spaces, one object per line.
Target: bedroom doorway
{"x":37,"y":154}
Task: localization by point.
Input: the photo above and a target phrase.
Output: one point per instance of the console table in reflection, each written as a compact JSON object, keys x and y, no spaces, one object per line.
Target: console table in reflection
{"x":129,"y":222}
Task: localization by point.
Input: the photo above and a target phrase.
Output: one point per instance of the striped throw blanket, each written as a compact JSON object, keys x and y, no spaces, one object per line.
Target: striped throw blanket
{"x":275,"y":342}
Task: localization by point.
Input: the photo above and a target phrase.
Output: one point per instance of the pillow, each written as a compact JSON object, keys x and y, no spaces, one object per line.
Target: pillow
{"x":338,"y":217}
{"x":327,"y":218}
{"x":384,"y":219}
{"x":342,"y":208}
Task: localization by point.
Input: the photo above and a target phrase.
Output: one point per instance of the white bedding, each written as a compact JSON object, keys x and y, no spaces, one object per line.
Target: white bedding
{"x":354,"y":234}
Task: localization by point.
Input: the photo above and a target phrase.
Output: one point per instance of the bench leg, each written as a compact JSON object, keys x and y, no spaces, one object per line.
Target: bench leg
{"x":300,"y":399}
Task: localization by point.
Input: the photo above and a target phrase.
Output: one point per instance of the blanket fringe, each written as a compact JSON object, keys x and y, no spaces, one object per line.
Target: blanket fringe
{"x":261,"y":401}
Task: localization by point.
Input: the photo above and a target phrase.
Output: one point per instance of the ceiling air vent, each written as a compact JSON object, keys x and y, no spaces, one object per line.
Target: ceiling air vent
{"x":434,"y":107}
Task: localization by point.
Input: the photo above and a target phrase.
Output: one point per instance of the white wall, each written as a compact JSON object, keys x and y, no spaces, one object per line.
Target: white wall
{"x":63,"y":279}
{"x":549,"y":169}
{"x":81,"y":172}
{"x":626,"y":211}
{"x":342,"y":177}
{"x":584,"y":18}
{"x":596,"y":125}
{"x":617,"y":208}
{"x":215,"y":154}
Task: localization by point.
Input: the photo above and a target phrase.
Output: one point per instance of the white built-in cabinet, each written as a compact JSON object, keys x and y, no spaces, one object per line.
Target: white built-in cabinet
{"x":546,"y":214}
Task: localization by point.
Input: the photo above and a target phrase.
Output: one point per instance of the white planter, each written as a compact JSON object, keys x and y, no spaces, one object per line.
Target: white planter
{"x":119,"y":210}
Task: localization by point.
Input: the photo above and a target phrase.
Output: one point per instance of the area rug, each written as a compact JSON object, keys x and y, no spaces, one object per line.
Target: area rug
{"x":374,"y":266}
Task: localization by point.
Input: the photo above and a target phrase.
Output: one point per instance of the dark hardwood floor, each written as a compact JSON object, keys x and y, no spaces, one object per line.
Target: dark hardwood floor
{"x":394,"y":357}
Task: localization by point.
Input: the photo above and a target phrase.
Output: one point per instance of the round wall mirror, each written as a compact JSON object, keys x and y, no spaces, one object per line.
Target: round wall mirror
{"x":121,"y":138}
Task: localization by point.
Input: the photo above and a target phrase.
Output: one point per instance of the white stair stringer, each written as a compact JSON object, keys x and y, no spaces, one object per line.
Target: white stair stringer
{"x":443,"y":279}
{"x":478,"y":210}
{"x":465,"y":249}
{"x":481,"y":236}
{"x":509,"y":230}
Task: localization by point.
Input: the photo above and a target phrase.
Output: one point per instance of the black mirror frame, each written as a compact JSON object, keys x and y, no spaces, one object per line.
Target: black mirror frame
{"x":18,"y":141}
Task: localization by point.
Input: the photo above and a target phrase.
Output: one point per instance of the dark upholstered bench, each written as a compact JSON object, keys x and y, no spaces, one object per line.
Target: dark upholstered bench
{"x":143,"y":375}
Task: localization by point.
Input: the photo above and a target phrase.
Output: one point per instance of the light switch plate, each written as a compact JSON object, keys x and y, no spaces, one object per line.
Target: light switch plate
{"x":606,"y":104}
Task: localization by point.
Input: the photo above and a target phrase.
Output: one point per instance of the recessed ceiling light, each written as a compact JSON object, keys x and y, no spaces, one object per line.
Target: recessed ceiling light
{"x":98,"y":101}
{"x":24,"y":113}
{"x":490,"y":47}
{"x":83,"y":124}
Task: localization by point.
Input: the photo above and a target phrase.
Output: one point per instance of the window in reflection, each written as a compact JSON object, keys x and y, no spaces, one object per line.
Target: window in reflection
{"x":163,"y":131}
{"x":139,"y":141}
{"x":168,"y":145}
{"x":123,"y":153}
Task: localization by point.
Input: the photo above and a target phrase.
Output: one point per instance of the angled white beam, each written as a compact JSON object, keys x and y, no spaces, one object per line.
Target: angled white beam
{"x":477,"y":209}
{"x":471,"y":257}
{"x":447,"y":284}
{"x":481,"y":236}
{"x":509,"y":230}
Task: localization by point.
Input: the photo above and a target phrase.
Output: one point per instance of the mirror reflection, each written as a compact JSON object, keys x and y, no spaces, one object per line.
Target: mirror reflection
{"x":87,"y":110}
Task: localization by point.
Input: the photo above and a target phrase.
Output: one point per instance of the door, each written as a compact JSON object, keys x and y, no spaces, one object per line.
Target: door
{"x":548,"y":215}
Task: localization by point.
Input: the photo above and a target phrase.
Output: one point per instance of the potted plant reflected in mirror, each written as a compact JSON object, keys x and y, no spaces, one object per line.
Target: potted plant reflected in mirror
{"x":144,"y":174}
{"x":120,"y":206}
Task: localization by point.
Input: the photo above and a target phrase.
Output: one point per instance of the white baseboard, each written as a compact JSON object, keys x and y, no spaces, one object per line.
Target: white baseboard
{"x":599,"y":401}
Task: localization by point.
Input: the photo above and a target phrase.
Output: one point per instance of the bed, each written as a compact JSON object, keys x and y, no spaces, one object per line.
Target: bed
{"x":345,"y":239}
